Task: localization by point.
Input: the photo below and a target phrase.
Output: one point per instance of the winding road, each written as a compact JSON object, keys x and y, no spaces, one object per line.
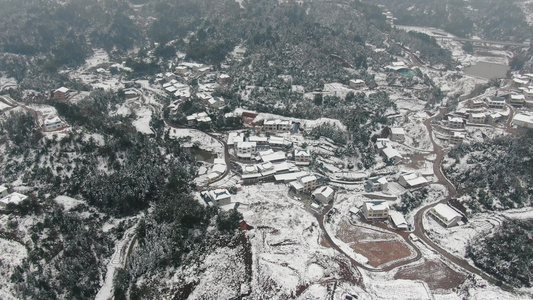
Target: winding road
{"x":419,"y":231}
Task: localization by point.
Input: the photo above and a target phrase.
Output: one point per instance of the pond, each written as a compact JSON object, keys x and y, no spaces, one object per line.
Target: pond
{"x":203,"y":155}
{"x":487,"y":70}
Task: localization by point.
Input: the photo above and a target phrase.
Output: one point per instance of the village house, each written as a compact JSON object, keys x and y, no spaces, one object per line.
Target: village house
{"x":528,"y":94}
{"x":381,"y":144}
{"x":130,"y":94}
{"x":495,"y":102}
{"x":196,"y":118}
{"x":357,"y":84}
{"x":259,"y":140}
{"x":324,"y":194}
{"x":53,"y":123}
{"x":412,"y":180}
{"x":62,"y":93}
{"x":267,"y":169}
{"x":248,"y":117}
{"x":397,"y":66}
{"x":517,"y":100}
{"x":520,"y":82}
{"x":235,"y":138}
{"x":375,"y":210}
{"x":302,"y":157}
{"x":181,"y":70}
{"x":456,"y":137}
{"x":455,"y":122}
{"x":392,"y":155}
{"x":216,"y":102}
{"x":522,"y":120}
{"x":219,"y":168}
{"x":169,"y":76}
{"x":250,"y":174}
{"x":3,"y":191}
{"x":276,"y":125}
{"x":183,"y":94}
{"x":476,"y":103}
{"x":245,"y":150}
{"x":377,"y":184}
{"x":204,"y":97}
{"x":476,"y":118}
{"x":446,"y":215}
{"x":278,"y":141}
{"x":398,"y":220}
{"x":305,"y":183}
{"x":218,"y":197}
{"x":224,"y":79}
{"x":397,"y":134}
{"x":13,"y":198}
{"x":493,"y":118}
{"x":272,"y":156}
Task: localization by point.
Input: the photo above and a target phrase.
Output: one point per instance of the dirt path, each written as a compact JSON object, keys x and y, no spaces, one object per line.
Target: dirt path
{"x":405,"y":235}
{"x":118,"y":260}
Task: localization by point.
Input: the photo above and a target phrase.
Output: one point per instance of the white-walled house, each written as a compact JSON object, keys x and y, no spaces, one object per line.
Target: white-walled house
{"x":392,"y":155}
{"x":517,"y":100}
{"x":3,"y":191}
{"x":302,"y":157}
{"x":324,"y":194}
{"x":412,"y":180}
{"x":375,"y":210}
{"x":522,"y":120}
{"x":245,"y":150}
{"x":397,"y":134}
{"x":357,"y":84}
{"x":376,"y":184}
{"x":398,"y":220}
{"x":220,"y":197}
{"x":277,"y":125}
{"x":446,"y":215}
{"x":477,"y":118}
{"x":495,"y":102}
{"x":53,"y":123}
{"x":13,"y":198}
{"x":455,"y":122}
{"x":456,"y":137}
{"x":305,"y":183}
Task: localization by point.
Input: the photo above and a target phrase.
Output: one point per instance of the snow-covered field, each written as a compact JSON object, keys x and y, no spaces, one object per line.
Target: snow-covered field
{"x":199,"y":139}
{"x":12,"y":255}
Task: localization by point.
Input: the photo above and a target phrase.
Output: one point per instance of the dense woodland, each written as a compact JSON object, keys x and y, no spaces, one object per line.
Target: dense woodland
{"x":490,"y":19}
{"x":506,"y":254}
{"x":498,"y":173}
{"x":118,"y":172}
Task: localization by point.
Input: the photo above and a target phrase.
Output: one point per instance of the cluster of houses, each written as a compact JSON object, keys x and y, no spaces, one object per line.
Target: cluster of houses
{"x":372,"y":210}
{"x":178,"y":90}
{"x":408,"y":180}
{"x":384,"y":147}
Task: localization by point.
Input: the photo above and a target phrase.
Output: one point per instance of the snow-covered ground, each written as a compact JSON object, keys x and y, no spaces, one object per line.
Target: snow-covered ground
{"x":68,"y":203}
{"x":12,"y":255}
{"x":198,"y":138}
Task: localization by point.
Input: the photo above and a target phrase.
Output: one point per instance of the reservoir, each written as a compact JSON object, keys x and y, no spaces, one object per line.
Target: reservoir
{"x":487,"y":70}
